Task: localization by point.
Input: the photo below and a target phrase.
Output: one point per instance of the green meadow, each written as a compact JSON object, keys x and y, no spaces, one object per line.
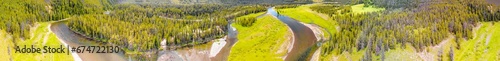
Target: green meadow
{"x":361,"y":8}
{"x":263,"y":41}
{"x":484,"y":46}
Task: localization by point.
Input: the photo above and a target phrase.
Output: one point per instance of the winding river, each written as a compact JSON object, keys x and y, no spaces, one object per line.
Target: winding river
{"x":304,"y":38}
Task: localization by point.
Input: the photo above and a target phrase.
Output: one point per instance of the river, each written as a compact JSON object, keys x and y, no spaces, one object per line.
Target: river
{"x":304,"y":39}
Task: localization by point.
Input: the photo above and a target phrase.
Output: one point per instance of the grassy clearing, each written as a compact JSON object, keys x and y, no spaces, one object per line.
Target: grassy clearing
{"x":41,"y":36}
{"x":260,"y":42}
{"x":483,"y":46}
{"x":360,"y":8}
{"x":5,"y":41}
{"x":306,"y":15}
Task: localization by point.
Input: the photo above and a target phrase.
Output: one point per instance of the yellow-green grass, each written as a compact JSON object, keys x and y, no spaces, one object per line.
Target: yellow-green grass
{"x":360,"y":8}
{"x":484,"y":46}
{"x":41,"y":36}
{"x":5,"y":41}
{"x":306,"y":15}
{"x":261,"y":41}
